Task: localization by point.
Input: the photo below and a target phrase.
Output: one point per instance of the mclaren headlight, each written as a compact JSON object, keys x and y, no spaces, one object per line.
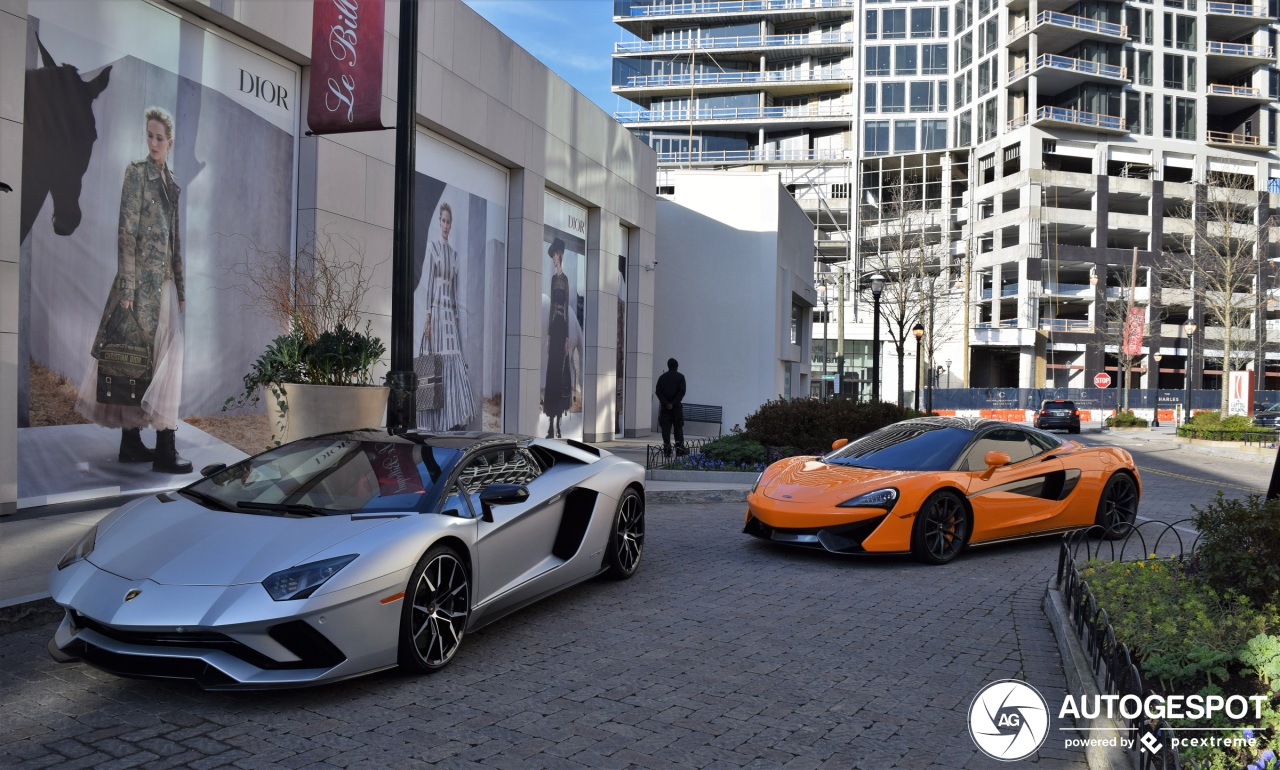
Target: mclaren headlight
{"x":880,"y":498}
{"x":82,"y":548}
{"x":302,"y":581}
{"x":756,"y":485}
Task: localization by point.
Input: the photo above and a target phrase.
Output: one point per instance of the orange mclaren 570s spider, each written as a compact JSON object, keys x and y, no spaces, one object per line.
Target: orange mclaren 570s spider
{"x":934,"y":485}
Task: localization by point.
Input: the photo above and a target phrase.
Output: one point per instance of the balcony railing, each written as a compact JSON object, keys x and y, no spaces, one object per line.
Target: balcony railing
{"x":1067,"y":289}
{"x":751,"y":156}
{"x":730,"y":113}
{"x":1068,"y":64}
{"x":725,"y":43}
{"x":1075,"y":117}
{"x":1004,"y":323}
{"x":1067,"y":21}
{"x":1065,"y":325}
{"x":638,"y":10}
{"x":1005,"y":291}
{"x":1237,"y":9}
{"x":1238,"y":49}
{"x":1217,"y":89}
{"x":736,"y":78}
{"x":1225,"y":137}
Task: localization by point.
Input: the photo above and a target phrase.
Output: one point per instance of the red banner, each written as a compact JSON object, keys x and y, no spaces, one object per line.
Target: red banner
{"x":1133,"y":330}
{"x":346,"y":66}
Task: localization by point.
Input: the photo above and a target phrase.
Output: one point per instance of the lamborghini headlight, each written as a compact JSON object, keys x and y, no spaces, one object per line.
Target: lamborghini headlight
{"x":880,"y":498}
{"x":82,"y":548}
{"x":302,"y":581}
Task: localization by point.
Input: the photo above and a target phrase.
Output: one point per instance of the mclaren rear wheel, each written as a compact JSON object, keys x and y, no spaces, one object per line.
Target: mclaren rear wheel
{"x":1118,"y":506}
{"x":941,"y":530}
{"x":437,"y":604}
{"x":626,"y":540}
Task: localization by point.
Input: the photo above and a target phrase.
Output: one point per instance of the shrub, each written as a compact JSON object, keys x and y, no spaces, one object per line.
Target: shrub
{"x":810,"y":426}
{"x":1212,"y":425}
{"x":1239,"y":540}
{"x":1126,"y":420}
{"x":735,"y":449}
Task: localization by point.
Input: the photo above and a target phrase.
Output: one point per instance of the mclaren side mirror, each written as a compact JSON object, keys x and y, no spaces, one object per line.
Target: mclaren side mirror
{"x":838,"y":443}
{"x":994,"y":460}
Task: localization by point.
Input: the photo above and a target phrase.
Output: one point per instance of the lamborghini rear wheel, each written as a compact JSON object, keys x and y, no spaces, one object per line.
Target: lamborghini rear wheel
{"x":941,"y":529}
{"x":1118,"y":506}
{"x":437,"y":605}
{"x":626,"y":540}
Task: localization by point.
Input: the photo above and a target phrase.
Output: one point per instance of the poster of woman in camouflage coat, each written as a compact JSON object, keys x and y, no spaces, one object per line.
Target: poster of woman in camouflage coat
{"x":149,"y":285}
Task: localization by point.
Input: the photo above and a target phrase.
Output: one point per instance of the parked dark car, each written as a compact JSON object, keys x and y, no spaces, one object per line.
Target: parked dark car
{"x":1269,"y":417}
{"x":1058,"y":414}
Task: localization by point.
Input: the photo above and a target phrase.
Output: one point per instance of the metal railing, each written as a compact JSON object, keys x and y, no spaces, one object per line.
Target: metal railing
{"x":1238,"y":49}
{"x":731,"y":113}
{"x":1075,"y":117}
{"x":723,"y":43}
{"x":1067,"y":21}
{"x":1217,"y":89}
{"x":1065,"y":325}
{"x":656,"y":458}
{"x":1069,"y":64}
{"x":1226,"y":137}
{"x":1111,"y":663}
{"x":642,"y":10}
{"x":1236,"y":9}
{"x":737,"y":78}
{"x":752,"y":156}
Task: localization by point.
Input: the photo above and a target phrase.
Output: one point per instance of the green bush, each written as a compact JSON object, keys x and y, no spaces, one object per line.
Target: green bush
{"x":810,"y":426}
{"x":1126,"y":420}
{"x":735,"y":449}
{"x":1212,"y":425}
{"x":1239,"y":542}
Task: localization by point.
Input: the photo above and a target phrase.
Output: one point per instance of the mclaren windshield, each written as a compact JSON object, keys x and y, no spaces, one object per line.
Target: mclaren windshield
{"x":328,"y":475}
{"x":905,"y":446}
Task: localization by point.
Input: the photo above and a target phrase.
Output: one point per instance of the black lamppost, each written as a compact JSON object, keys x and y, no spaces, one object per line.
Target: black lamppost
{"x":1155,"y":390}
{"x":1190,"y":328}
{"x":825,"y":295}
{"x":917,"y":331}
{"x":877,"y":286}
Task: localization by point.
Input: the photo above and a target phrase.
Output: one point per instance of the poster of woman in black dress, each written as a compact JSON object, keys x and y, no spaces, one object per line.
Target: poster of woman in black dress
{"x":557,"y":392}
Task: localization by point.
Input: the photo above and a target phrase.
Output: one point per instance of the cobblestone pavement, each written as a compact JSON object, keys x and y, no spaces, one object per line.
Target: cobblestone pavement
{"x":721,"y":653}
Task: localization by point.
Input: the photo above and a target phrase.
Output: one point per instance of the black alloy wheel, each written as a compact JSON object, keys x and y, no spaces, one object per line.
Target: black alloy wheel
{"x":437,"y":605}
{"x":626,"y":541}
{"x":1118,"y":506}
{"x":941,"y":529}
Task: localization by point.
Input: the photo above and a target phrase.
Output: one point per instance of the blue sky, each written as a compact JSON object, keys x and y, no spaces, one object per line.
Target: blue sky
{"x":574,"y":38}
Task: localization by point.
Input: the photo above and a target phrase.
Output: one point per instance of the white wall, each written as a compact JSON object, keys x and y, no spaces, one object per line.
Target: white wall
{"x":733,"y":252}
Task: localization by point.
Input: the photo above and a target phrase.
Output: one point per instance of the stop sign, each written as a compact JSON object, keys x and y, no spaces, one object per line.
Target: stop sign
{"x":1102,"y":380}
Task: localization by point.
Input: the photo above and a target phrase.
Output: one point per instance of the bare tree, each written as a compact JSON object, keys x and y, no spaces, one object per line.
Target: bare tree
{"x":902,"y":242}
{"x":1213,"y":260}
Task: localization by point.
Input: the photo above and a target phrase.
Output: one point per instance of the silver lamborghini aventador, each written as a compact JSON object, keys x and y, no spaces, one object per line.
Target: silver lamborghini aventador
{"x":340,"y":555}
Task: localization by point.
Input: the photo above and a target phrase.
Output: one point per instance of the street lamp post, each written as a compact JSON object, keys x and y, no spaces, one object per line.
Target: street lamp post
{"x":877,"y":286}
{"x":1190,"y":328}
{"x":1155,"y":390}
{"x":825,"y":295}
{"x":948,"y":374}
{"x":917,"y":331}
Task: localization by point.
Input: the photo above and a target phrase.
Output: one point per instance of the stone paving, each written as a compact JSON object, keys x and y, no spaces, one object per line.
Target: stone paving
{"x":722,"y":652}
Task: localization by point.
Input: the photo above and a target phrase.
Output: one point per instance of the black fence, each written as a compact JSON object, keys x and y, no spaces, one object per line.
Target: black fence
{"x":1112,"y":665}
{"x":656,"y":458}
{"x":1085,"y":398}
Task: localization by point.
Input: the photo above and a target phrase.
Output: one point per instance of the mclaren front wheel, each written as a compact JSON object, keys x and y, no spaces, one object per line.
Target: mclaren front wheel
{"x":941,"y":529}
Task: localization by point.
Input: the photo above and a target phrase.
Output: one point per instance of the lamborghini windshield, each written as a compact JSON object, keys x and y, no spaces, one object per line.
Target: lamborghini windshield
{"x":905,"y":446}
{"x":327,"y":475}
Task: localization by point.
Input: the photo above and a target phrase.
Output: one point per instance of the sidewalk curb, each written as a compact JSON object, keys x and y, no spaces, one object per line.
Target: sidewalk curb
{"x":696,"y":496}
{"x":30,"y":613}
{"x":1081,"y":682}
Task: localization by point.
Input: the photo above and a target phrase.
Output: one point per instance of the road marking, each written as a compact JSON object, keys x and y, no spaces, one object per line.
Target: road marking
{"x":1187,"y":530}
{"x":1201,"y":480}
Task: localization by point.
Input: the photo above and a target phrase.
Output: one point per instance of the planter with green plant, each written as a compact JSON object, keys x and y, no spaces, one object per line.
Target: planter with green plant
{"x":317,"y":377}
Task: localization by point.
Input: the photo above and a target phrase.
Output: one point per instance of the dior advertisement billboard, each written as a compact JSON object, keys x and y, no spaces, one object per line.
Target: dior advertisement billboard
{"x":460,"y":267}
{"x":564,"y":288}
{"x":153,"y":151}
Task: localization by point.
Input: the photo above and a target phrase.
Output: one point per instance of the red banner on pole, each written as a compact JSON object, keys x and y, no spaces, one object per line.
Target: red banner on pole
{"x":346,"y":66}
{"x":1133,"y":330}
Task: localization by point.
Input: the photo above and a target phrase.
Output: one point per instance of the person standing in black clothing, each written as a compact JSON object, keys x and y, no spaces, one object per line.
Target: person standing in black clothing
{"x":670,"y":393}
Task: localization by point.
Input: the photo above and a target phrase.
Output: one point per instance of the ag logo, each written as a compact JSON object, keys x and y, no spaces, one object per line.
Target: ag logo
{"x":1008,"y":720}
